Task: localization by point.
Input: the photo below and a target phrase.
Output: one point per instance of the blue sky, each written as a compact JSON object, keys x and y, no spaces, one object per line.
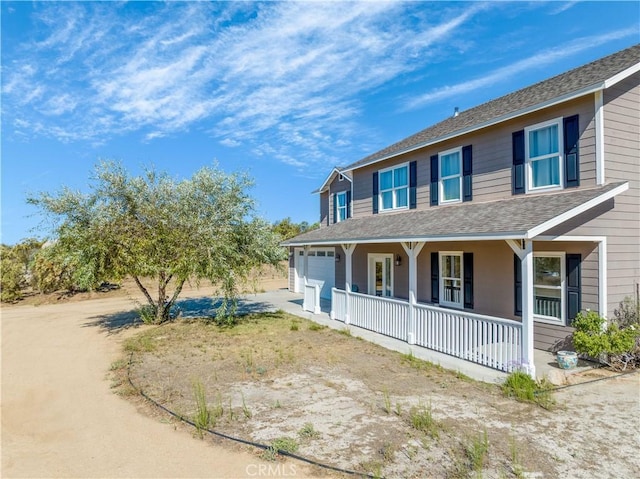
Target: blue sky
{"x":282,"y":90}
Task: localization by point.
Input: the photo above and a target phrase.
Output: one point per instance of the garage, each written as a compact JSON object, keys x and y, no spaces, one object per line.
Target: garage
{"x":322,"y":269}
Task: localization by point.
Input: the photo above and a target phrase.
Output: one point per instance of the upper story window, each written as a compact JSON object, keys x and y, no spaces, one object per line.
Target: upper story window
{"x":543,"y":148}
{"x":451,"y":176}
{"x":341,"y":206}
{"x":450,"y":181}
{"x":394,"y":188}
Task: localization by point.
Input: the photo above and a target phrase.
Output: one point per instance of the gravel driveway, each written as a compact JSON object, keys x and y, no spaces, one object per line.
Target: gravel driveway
{"x":61,"y":419}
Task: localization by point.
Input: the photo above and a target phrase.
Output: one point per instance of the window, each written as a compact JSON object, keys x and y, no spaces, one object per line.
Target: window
{"x":381,"y":275}
{"x":451,"y":275}
{"x":548,"y":286}
{"x":341,"y":206}
{"x":394,"y":188}
{"x":450,"y":181}
{"x":543,"y":147}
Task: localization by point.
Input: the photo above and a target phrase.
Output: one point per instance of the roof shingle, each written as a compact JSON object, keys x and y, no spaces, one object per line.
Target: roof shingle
{"x":573,"y":81}
{"x":513,"y":217}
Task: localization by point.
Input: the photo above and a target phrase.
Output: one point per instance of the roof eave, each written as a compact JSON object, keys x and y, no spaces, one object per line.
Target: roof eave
{"x":406,"y":239}
{"x":504,"y":235}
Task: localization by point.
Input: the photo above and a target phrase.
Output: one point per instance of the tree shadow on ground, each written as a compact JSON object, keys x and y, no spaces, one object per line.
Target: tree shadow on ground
{"x":189,"y":308}
{"x":207,"y":307}
{"x":115,"y":322}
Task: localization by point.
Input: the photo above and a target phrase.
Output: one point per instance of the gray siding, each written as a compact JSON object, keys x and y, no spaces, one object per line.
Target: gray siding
{"x":618,"y":219}
{"x":340,"y":268}
{"x":492,"y":157}
{"x":336,"y":186}
{"x":324,"y":209}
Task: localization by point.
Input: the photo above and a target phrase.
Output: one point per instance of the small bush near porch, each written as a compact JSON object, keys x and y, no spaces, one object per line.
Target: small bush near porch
{"x":352,"y":404}
{"x":616,"y":343}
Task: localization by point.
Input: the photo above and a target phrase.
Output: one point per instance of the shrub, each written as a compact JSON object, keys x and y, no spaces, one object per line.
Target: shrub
{"x":524,"y":388}
{"x":613,"y":344}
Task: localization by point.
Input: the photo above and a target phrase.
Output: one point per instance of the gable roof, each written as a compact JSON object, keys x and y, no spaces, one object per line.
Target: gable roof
{"x":580,"y":81}
{"x":335,"y":171}
{"x":524,"y":217}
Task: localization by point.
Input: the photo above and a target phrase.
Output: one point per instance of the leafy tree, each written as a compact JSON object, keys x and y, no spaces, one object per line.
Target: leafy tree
{"x":54,"y":269}
{"x":16,"y":267}
{"x":288,"y":229}
{"x":152,"y":226}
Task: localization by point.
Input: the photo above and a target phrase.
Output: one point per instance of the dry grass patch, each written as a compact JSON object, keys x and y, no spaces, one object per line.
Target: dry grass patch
{"x":352,"y":404}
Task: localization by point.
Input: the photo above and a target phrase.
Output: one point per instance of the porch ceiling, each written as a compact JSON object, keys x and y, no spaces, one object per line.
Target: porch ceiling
{"x":521,"y":217}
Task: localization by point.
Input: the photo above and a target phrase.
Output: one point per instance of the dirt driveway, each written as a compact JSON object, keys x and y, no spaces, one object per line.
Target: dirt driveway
{"x":61,"y":419}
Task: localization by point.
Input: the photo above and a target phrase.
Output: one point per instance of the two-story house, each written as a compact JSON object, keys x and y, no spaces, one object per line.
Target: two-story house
{"x":484,"y":235}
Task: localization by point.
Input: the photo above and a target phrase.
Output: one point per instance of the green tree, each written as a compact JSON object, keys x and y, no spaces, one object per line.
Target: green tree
{"x":152,"y":226}
{"x":288,"y":229}
{"x":16,"y":267}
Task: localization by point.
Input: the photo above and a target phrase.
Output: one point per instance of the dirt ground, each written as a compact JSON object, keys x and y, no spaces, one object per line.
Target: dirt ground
{"x":280,"y":376}
{"x":62,"y":418}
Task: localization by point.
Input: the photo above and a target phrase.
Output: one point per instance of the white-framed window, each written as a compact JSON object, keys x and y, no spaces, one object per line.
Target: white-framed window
{"x":450,"y":180}
{"x":548,"y":287}
{"x":451,"y":275}
{"x":544,"y":148}
{"x":394,"y":188}
{"x":380,"y":275}
{"x":341,"y":206}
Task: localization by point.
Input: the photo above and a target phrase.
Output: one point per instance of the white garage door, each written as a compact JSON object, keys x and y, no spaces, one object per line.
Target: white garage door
{"x":322,"y":270}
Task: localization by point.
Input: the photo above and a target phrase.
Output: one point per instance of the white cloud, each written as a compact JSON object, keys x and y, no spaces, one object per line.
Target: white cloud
{"x":230,"y":143}
{"x":282,"y":78}
{"x":501,"y":74}
{"x":563,"y":7}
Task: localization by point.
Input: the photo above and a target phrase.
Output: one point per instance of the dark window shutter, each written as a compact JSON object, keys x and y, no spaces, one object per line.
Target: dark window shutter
{"x":434,"y":180}
{"x":517,"y":290}
{"x":335,"y":207}
{"x":467,"y":262}
{"x":348,"y":203}
{"x":435,"y":278}
{"x":517,"y":172}
{"x":574,"y":293}
{"x":374,"y":196}
{"x":467,"y":172}
{"x":413,"y":182}
{"x":571,"y":158}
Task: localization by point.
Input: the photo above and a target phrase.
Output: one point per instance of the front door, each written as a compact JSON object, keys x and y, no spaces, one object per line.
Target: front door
{"x":381,"y":275}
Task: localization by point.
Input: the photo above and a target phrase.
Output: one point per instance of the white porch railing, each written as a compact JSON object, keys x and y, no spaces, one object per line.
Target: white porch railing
{"x":311,"y":298}
{"x":338,"y":304}
{"x":382,"y":315}
{"x":486,"y":340}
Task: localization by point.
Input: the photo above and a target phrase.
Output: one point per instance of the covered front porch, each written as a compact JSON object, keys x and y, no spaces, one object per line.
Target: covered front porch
{"x":486,"y":283}
{"x":475,"y":313}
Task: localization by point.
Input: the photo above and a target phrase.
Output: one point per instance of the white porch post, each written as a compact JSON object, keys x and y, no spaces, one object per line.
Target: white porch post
{"x":525,"y":253}
{"x":603,"y":307}
{"x":412,"y":250}
{"x":305,"y":274}
{"x":348,"y":256}
{"x":527,"y":308}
